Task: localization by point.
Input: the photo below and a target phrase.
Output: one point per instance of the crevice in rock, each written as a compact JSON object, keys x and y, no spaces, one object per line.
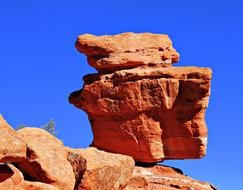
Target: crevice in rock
{"x":6,"y":172}
{"x":79,"y":166}
{"x":26,"y":176}
{"x":146,"y":165}
{"x":30,"y":154}
{"x":175,"y":186}
{"x":33,"y":171}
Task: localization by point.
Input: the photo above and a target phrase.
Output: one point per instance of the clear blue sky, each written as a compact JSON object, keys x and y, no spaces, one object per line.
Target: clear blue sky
{"x":39,"y":66}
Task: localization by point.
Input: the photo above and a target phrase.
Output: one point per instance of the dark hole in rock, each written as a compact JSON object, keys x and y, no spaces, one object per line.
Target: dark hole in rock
{"x":5,"y":172}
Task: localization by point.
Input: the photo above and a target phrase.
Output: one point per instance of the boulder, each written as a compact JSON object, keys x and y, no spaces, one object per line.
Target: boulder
{"x":103,"y":171}
{"x":164,"y":177}
{"x":151,"y":114}
{"x":12,"y":179}
{"x":127,"y":50}
{"x":46,"y":159}
{"x":12,"y":146}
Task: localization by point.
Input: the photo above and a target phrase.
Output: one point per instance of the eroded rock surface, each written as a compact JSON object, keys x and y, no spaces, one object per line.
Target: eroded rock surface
{"x":79,"y":165}
{"x":12,"y":147}
{"x":127,"y":50}
{"x":150,"y":111}
{"x":164,"y":177}
{"x":46,"y":159}
{"x":103,"y":171}
{"x":12,"y":179}
{"x":49,"y":165}
{"x":138,"y":105}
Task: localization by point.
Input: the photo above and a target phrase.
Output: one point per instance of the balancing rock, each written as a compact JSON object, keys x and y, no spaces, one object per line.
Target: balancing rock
{"x":148,"y":109}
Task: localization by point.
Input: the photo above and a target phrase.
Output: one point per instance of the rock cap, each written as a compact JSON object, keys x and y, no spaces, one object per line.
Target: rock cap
{"x":127,"y":50}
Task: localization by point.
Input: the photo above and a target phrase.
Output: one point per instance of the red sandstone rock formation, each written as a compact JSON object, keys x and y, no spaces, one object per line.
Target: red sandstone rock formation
{"x":103,"y":170}
{"x":164,"y":178}
{"x":110,"y":53}
{"x":46,"y":159}
{"x":46,"y":167}
{"x":12,"y":179}
{"x":79,"y":165}
{"x":139,"y":105}
{"x":12,"y":147}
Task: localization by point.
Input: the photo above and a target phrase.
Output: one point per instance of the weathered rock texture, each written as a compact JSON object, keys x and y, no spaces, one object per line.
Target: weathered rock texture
{"x":148,"y":109}
{"x":138,"y":105}
{"x":79,"y":165}
{"x":164,"y":177}
{"x":46,"y":159}
{"x":103,"y":171}
{"x":12,"y":147}
{"x":48,"y":165}
{"x":12,"y":179}
{"x":127,"y":50}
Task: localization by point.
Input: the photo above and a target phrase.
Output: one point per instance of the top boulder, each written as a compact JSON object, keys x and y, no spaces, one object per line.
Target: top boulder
{"x":127,"y":50}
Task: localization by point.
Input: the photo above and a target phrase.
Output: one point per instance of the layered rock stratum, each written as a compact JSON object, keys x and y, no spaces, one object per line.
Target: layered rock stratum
{"x":127,"y":50}
{"x":137,"y":103}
